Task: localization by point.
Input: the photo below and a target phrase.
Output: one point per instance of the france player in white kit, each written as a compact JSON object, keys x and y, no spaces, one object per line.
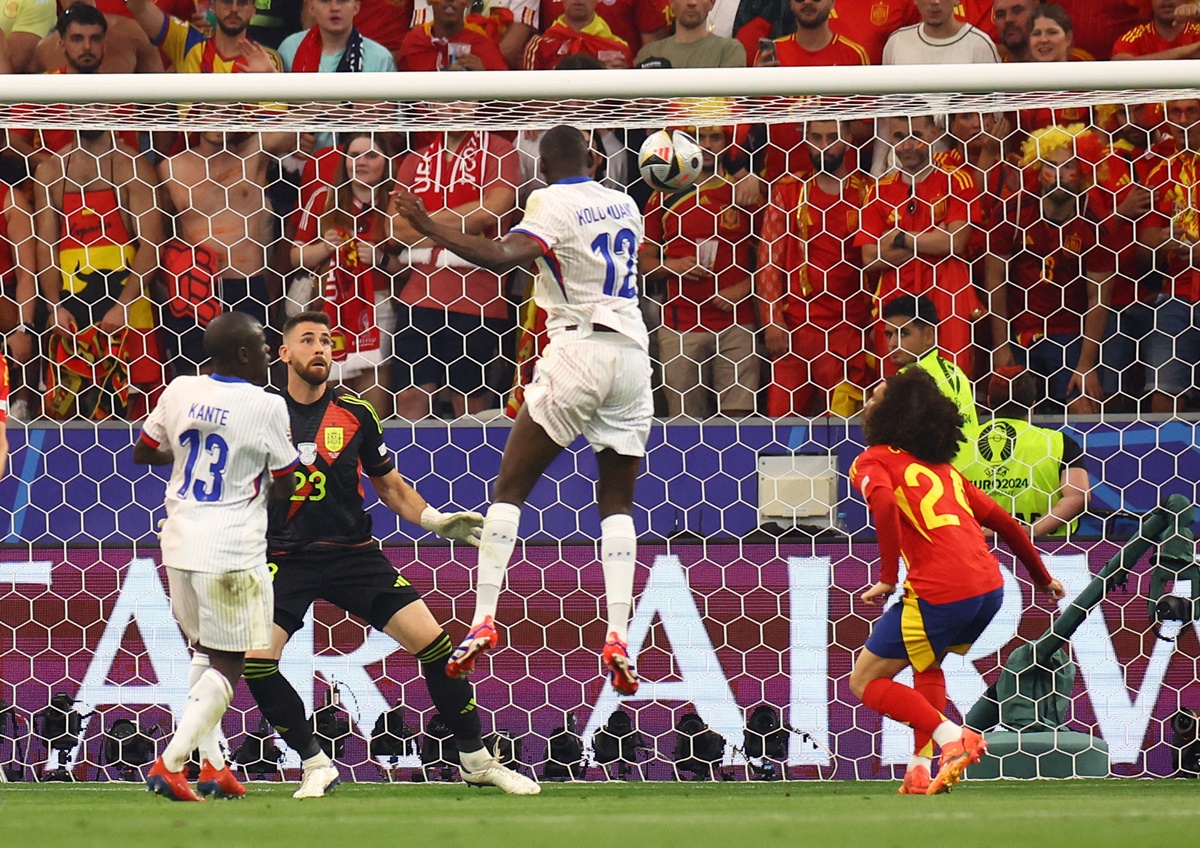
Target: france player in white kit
{"x":223,"y":435}
{"x":593,"y":378}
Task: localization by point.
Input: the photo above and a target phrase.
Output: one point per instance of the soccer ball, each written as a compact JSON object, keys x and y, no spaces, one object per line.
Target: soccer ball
{"x":670,"y":161}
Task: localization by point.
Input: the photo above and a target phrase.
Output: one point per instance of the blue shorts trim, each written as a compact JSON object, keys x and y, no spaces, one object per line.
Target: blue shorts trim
{"x":923,"y":633}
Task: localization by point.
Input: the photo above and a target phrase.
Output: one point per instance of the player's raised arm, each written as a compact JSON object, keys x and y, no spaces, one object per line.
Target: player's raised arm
{"x":500,"y":255}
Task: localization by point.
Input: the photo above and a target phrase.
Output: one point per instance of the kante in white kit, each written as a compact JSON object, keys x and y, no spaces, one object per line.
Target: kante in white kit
{"x":592,"y":379}
{"x":225,"y":438}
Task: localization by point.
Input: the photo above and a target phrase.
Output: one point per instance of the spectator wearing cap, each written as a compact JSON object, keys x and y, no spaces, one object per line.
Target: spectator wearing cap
{"x":1037,"y":474}
{"x":692,"y":45}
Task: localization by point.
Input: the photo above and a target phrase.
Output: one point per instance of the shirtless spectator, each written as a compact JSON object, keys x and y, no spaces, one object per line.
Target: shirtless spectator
{"x":25,"y":23}
{"x":126,"y":49}
{"x":98,"y":231}
{"x":224,"y":228}
{"x":229,"y":49}
{"x":1164,"y":36}
{"x":18,"y":266}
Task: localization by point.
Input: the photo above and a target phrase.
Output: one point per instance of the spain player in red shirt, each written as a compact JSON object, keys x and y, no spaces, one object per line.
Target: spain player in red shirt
{"x":927,"y":513}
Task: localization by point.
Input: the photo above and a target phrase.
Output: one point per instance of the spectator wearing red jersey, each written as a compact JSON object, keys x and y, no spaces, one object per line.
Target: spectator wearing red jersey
{"x":1162,"y":37}
{"x":701,"y":243}
{"x":915,"y":233}
{"x":1050,"y":271}
{"x":1052,"y":40}
{"x":866,"y":22}
{"x":448,"y":41}
{"x":339,"y":240}
{"x":636,"y":22}
{"x":1100,"y":24}
{"x":813,"y":44}
{"x":452,"y":314}
{"x":578,"y":30}
{"x":810,"y":283}
{"x":126,"y":49}
{"x":1173,"y":231}
{"x":508,"y":23}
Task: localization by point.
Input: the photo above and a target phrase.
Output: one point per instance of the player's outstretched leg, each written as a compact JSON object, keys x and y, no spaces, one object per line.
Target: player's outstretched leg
{"x":283,"y":709}
{"x":957,"y":755}
{"x":481,"y":638}
{"x":498,"y":538}
{"x":455,"y":703}
{"x":618,"y":555}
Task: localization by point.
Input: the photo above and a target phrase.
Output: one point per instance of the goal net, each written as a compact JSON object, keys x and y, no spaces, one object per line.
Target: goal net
{"x":1050,"y":230}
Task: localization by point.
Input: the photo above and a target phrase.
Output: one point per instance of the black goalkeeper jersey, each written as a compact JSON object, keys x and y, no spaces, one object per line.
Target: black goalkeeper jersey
{"x":339,"y":437}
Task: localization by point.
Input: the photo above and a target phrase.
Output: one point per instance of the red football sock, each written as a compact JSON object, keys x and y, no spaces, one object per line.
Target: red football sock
{"x":903,"y":704}
{"x":931,"y":685}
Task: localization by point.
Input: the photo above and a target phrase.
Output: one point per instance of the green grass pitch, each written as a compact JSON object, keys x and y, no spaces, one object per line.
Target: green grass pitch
{"x":1064,"y":814}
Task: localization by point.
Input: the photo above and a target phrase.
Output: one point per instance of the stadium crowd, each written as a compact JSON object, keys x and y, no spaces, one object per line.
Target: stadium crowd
{"x":1057,"y":240}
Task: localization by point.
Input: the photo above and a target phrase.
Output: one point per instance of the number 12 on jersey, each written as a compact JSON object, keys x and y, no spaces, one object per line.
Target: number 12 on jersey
{"x":619,"y":253}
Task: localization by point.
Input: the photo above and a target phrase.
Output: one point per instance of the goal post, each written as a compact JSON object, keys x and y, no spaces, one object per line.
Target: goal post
{"x":753,"y":546}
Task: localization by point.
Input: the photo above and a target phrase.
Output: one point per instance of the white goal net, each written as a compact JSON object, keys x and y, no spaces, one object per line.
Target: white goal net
{"x":1051,"y":230}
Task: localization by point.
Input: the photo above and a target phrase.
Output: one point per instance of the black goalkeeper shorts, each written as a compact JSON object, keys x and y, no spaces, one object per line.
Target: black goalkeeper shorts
{"x":361,"y":581}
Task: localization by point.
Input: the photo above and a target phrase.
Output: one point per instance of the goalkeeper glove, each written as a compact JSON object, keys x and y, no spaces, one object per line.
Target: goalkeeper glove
{"x":463,"y":526}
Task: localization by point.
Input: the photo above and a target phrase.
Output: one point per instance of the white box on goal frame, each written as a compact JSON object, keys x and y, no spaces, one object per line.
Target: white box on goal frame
{"x":796,"y":486}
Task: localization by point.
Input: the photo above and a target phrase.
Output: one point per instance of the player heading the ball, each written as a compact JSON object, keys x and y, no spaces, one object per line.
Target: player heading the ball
{"x":593,"y":378}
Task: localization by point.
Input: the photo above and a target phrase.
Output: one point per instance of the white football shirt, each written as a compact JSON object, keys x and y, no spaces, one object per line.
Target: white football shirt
{"x":228,"y":438}
{"x":588,"y":272}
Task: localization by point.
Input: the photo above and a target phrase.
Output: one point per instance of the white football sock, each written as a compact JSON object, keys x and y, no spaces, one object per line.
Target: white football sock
{"x":317,"y":760}
{"x":946,"y":733}
{"x":206,"y":703}
{"x":495,"y":550}
{"x":916,"y":760}
{"x":210,"y":745}
{"x":618,"y":553}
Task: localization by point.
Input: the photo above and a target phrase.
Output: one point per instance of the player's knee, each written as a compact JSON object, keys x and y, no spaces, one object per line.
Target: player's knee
{"x":434,"y":655}
{"x":859,"y":678}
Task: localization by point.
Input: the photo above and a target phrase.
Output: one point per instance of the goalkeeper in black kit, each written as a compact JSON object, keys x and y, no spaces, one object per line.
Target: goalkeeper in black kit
{"x":320,"y":546}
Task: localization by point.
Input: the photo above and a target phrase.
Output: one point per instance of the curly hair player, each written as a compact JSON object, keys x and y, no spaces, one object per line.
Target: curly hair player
{"x":927,"y":512}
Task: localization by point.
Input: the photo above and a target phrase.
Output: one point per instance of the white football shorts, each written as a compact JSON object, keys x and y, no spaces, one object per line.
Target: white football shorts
{"x":597,"y":386}
{"x":227,"y":611}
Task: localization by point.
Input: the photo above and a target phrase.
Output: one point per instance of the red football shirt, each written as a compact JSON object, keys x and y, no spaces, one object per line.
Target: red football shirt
{"x":786,"y":153}
{"x":1144,"y":40}
{"x":707,"y":214}
{"x":815,"y":272}
{"x":1047,"y":267}
{"x":1098,"y":23}
{"x":939,"y":534}
{"x":1175,"y":185}
{"x":940,"y":199}
{"x":870,"y":22}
